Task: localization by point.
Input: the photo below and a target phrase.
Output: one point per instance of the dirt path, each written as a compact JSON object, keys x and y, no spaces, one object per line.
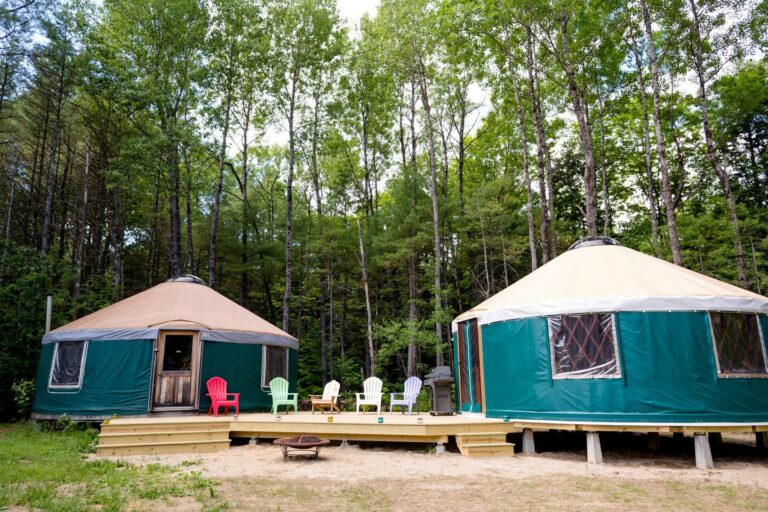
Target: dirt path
{"x":356,"y":464}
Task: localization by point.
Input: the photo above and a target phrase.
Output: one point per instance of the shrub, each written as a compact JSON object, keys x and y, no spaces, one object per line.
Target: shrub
{"x":23,"y":392}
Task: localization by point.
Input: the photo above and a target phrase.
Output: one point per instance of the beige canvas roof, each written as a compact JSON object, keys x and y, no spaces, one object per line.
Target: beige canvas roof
{"x":607,"y":278}
{"x":174,"y":305}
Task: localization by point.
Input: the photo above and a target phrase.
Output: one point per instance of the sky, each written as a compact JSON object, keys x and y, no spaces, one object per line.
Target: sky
{"x":353,"y":10}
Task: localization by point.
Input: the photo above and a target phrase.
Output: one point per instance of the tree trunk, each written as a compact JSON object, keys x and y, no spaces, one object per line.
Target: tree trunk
{"x":319,"y":204}
{"x":604,"y":172}
{"x":647,"y":153}
{"x":289,"y":212}
{"x":524,"y":149}
{"x":51,"y":176}
{"x":244,"y":284}
{"x":435,"y":210}
{"x":175,"y":218}
{"x":188,"y":213}
{"x":412,"y":314}
{"x":660,"y":146}
{"x":369,"y":316}
{"x":217,"y":195}
{"x":580,"y":110}
{"x":81,"y":238}
{"x":721,"y":173}
{"x":540,"y":144}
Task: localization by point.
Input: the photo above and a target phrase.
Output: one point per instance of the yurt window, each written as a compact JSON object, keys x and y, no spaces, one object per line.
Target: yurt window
{"x":274,"y":364}
{"x":583,"y":346}
{"x":67,"y":365}
{"x":738,"y":345}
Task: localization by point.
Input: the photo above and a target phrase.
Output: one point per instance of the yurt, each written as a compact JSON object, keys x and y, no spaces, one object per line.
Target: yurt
{"x":604,"y":333}
{"x":153,"y":353}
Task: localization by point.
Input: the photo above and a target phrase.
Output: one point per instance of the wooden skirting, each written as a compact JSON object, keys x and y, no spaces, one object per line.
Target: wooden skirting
{"x":640,"y":427}
{"x":475,"y":436}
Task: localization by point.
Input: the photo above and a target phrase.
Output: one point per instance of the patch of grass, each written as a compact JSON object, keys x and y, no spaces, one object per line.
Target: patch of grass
{"x":51,"y":471}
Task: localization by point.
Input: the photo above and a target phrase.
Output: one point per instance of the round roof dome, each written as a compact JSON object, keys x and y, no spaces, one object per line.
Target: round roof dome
{"x":603,"y":276}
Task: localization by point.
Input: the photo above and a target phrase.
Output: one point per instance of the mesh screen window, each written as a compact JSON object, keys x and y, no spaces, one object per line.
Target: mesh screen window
{"x":583,"y":346}
{"x":275,"y":364}
{"x":68,"y":362}
{"x":738,"y":344}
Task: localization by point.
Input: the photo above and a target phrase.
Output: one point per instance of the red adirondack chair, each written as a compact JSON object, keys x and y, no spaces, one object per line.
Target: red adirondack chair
{"x":217,"y":390}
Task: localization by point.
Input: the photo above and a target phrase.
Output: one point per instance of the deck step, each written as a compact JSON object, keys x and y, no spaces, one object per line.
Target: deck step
{"x":156,"y":448}
{"x":487,"y":449}
{"x":156,"y":427}
{"x":137,"y":438}
{"x":471,"y":438}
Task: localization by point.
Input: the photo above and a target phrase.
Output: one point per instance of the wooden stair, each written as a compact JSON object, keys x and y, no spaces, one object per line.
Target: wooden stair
{"x":484,"y":444}
{"x":151,"y":438}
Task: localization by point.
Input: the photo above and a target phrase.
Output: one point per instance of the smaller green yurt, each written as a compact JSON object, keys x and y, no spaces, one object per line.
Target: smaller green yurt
{"x":604,"y":333}
{"x":154,"y":351}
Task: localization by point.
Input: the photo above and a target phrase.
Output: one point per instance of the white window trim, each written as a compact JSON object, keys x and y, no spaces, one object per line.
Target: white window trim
{"x":761,"y":340}
{"x":265,"y":385}
{"x":570,"y":376}
{"x":79,"y":384}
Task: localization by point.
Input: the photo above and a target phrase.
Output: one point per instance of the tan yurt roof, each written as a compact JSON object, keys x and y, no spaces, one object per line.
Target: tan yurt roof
{"x":181,"y":303}
{"x":607,"y":278}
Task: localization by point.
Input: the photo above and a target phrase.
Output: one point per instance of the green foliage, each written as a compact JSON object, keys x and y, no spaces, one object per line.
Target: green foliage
{"x":23,"y":392}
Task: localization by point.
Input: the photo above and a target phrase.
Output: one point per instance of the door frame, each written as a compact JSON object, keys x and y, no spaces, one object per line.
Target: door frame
{"x":469,"y":363}
{"x":197,"y":356}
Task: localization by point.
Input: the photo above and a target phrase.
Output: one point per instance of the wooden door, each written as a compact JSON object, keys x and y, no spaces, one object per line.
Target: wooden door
{"x":177,"y":357}
{"x":470,"y":385}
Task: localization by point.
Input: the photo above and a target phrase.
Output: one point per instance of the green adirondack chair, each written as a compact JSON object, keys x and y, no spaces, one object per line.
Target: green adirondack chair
{"x":278,"y":388}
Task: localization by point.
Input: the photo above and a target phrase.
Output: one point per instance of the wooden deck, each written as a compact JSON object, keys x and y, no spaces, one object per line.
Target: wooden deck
{"x":474,"y":435}
{"x":180,"y":434}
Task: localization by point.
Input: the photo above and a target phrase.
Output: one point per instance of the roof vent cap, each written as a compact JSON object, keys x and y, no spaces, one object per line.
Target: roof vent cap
{"x":592,"y":241}
{"x":185,"y":278}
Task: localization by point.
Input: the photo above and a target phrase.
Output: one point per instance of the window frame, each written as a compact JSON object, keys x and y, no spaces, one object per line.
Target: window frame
{"x":761,"y":341}
{"x":67,"y":387}
{"x":265,"y":385}
{"x":619,"y":374}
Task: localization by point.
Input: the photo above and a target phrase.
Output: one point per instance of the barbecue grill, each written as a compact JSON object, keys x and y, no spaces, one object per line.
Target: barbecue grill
{"x":439,"y":382}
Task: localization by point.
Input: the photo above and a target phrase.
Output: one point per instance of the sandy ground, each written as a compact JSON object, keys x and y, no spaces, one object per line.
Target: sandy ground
{"x":736,"y":463}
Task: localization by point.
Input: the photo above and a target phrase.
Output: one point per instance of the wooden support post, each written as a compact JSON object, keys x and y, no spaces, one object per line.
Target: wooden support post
{"x":594,"y":451}
{"x":654,"y":441}
{"x":529,"y":447}
{"x":703,"y":452}
{"x":761,"y":440}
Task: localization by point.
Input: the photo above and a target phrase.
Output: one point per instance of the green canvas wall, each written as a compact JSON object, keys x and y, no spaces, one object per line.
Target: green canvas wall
{"x":240,"y":365}
{"x":668,"y":375}
{"x":116,"y":380}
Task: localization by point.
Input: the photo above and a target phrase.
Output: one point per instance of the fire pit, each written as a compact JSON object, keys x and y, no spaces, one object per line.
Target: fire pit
{"x":304,"y":445}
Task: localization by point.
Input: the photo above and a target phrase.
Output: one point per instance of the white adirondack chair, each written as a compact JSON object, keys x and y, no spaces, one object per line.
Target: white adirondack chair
{"x":328,"y":399}
{"x":371,"y":394}
{"x":412,"y":388}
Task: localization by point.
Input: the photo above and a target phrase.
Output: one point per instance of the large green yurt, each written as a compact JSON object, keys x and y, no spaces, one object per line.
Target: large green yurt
{"x":153,"y":352}
{"x":603,"y":333}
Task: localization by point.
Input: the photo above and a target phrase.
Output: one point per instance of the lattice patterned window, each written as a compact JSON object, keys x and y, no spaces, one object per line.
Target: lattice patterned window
{"x":274,"y":364}
{"x":583,"y":346}
{"x":738,"y":345}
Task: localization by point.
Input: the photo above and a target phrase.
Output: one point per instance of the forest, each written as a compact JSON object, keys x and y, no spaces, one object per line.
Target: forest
{"x":361,"y":183}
